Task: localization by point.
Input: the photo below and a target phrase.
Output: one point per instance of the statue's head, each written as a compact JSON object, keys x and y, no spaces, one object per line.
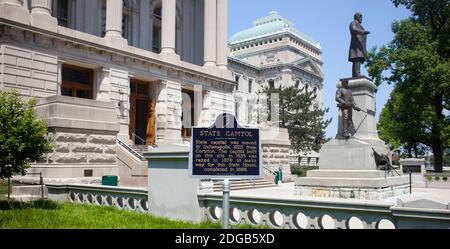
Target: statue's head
{"x":358,"y":16}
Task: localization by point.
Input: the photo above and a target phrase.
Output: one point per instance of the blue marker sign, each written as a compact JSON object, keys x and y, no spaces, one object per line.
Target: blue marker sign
{"x":225,"y":150}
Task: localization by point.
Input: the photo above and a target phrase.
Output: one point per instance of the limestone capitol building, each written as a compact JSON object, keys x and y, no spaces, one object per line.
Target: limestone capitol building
{"x":114,"y":77}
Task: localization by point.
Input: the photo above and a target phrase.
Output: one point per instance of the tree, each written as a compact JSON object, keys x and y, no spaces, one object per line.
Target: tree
{"x":22,"y":135}
{"x":301,"y":115}
{"x":399,"y":124}
{"x":417,"y":63}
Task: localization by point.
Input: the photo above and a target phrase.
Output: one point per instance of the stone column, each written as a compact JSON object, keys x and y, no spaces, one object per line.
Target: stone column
{"x":146,"y":26}
{"x":210,"y":33}
{"x":114,"y":22}
{"x":161,"y":113}
{"x":41,"y":15}
{"x":222,"y":31}
{"x":364,"y":125}
{"x":14,"y":10}
{"x":104,"y":86}
{"x":168,"y":24}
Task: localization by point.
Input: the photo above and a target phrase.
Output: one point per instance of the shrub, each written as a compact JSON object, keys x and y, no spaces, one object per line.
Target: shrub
{"x":436,"y":178}
{"x":301,"y":170}
{"x":429,"y":178}
{"x":444,"y":178}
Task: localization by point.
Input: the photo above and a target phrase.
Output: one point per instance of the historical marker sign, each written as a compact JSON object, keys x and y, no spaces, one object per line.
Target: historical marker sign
{"x":225,"y":150}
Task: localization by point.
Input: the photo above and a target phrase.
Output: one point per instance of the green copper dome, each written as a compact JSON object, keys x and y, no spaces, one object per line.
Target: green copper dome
{"x":270,"y":25}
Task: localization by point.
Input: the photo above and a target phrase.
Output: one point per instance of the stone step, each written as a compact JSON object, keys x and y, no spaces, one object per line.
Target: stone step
{"x":347,"y":173}
{"x":28,"y":190}
{"x":243,"y":184}
{"x":25,"y":198}
{"x":352,"y":182}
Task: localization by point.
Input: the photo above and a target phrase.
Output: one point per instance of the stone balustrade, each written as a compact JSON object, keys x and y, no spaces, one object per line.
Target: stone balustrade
{"x":323,"y":214}
{"x":124,"y":198}
{"x":276,"y":213}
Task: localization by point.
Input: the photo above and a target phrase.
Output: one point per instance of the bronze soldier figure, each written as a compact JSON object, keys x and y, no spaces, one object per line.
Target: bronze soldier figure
{"x":346,"y":103}
{"x":358,"y":52}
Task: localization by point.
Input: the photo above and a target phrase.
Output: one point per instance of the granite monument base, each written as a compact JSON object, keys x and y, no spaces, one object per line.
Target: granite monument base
{"x":347,"y":169}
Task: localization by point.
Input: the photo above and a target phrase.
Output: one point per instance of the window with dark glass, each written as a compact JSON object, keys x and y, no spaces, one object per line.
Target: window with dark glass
{"x":271,"y":84}
{"x":186,"y":131}
{"x":77,"y":82}
{"x":62,"y":12}
{"x":250,"y":83}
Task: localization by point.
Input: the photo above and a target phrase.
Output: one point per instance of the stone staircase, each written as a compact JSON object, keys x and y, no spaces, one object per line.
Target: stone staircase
{"x":243,"y":184}
{"x":140,"y":149}
{"x":28,"y":193}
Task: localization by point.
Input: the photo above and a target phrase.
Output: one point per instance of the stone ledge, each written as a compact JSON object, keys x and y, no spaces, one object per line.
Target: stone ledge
{"x":352,"y":192}
{"x":369,"y":183}
{"x":346,"y":173}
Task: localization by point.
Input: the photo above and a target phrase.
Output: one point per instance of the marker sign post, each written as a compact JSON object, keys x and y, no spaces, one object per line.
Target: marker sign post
{"x":225,"y":151}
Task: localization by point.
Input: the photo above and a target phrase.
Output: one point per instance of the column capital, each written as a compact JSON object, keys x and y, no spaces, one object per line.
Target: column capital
{"x":15,"y":10}
{"x":41,"y":15}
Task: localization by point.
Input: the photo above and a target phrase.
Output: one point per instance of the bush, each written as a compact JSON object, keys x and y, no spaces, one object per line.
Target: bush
{"x":22,"y":135}
{"x":444,"y":178}
{"x":429,"y":178}
{"x":436,"y":178}
{"x":301,"y":170}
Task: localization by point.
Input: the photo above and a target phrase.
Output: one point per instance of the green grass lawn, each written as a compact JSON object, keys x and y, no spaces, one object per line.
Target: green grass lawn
{"x":4,"y":189}
{"x":52,"y":215}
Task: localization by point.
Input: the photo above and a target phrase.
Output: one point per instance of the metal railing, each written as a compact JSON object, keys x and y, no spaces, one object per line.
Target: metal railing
{"x":129,"y":149}
{"x":134,"y":136}
{"x":277,"y":175}
{"x":41,"y":182}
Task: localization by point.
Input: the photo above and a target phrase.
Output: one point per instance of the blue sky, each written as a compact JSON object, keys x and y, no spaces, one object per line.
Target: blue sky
{"x":327,"y":22}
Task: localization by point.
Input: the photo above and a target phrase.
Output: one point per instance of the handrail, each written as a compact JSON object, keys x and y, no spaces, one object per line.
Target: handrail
{"x":141,"y":139}
{"x":131,"y":150}
{"x":41,"y":182}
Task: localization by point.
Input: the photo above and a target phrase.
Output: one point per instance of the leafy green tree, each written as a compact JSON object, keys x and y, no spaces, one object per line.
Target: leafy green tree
{"x":22,"y":135}
{"x":400,"y":125}
{"x":417,"y":63}
{"x":301,"y":115}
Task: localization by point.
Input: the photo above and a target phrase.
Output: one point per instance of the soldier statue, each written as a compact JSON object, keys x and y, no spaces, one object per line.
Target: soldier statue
{"x":358,"y":52}
{"x":346,"y":103}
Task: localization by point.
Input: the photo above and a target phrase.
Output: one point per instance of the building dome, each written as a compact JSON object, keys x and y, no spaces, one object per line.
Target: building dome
{"x":270,"y":25}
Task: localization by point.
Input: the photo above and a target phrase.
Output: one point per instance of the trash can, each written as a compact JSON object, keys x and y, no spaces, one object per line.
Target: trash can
{"x":280,"y":177}
{"x":277,"y":176}
{"x":109,"y":180}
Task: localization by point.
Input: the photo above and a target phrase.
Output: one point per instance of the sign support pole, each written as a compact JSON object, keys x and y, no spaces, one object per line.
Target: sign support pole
{"x":226,"y":204}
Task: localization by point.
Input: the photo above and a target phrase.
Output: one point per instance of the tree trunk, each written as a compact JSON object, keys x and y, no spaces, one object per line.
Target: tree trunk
{"x":436,"y":141}
{"x":409,"y":150}
{"x":437,"y":151}
{"x":9,"y":188}
{"x":415,"y":150}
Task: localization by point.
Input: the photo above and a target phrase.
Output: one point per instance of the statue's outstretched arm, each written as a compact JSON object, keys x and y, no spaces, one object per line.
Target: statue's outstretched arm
{"x":355,"y":29}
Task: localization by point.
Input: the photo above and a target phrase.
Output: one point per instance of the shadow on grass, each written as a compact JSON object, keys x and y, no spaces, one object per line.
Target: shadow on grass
{"x":39,"y":204}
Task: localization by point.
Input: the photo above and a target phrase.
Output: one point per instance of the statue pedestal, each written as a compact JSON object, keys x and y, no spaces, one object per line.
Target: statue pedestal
{"x":347,"y":167}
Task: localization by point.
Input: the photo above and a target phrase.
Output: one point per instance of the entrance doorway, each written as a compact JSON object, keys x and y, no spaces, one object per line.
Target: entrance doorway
{"x":142,"y":113}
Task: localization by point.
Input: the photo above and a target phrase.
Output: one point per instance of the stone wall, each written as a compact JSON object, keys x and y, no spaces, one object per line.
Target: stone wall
{"x":32,"y":73}
{"x":276,"y":151}
{"x":84,"y":134}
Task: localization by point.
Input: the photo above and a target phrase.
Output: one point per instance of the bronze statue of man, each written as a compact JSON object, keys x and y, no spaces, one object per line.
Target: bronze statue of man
{"x":346,"y":103}
{"x":358,"y":52}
